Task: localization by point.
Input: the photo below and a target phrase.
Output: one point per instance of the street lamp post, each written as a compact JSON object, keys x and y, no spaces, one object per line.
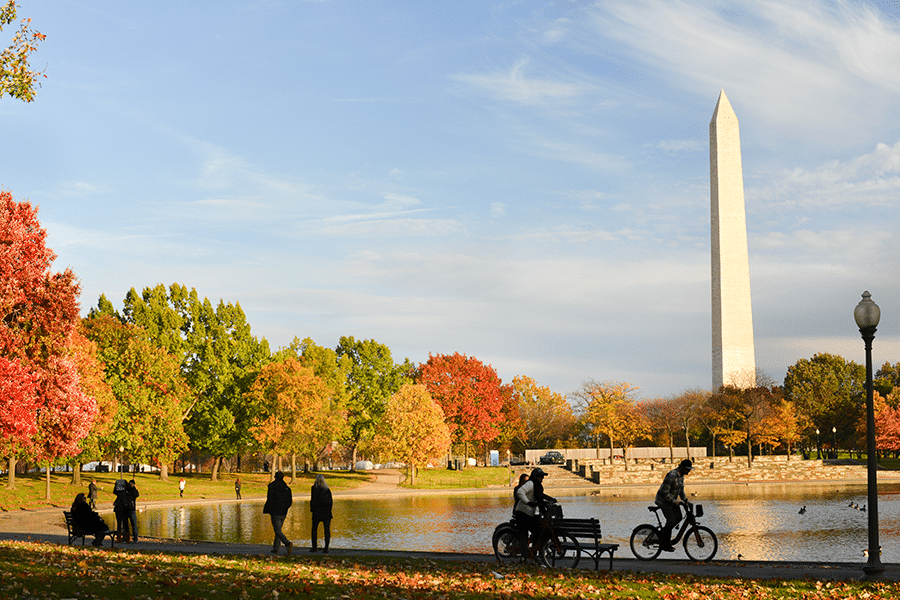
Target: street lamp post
{"x":818,"y":447}
{"x":834,"y":441}
{"x":867,"y":315}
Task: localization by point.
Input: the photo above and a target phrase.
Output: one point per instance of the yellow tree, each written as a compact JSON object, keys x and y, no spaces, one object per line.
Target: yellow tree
{"x":784,"y":425}
{"x":546,"y":416}
{"x":413,"y":429}
{"x":609,"y":409}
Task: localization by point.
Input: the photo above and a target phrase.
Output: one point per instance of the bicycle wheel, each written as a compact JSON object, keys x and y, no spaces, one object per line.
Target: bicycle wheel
{"x":701,"y":544}
{"x":561,"y":551}
{"x":645,"y":542}
{"x":509,"y":544}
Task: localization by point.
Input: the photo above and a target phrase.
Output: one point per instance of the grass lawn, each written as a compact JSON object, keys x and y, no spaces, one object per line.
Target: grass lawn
{"x":30,"y":489}
{"x":36,"y":570}
{"x":471,"y":477}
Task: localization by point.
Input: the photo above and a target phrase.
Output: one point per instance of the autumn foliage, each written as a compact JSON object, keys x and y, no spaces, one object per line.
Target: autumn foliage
{"x":468,"y":391}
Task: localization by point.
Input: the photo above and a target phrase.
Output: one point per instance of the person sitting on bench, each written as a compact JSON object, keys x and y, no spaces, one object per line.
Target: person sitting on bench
{"x":88,"y":521}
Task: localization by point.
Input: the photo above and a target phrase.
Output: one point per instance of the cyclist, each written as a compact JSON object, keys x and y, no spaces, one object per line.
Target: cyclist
{"x":529,"y":498}
{"x":669,"y":498}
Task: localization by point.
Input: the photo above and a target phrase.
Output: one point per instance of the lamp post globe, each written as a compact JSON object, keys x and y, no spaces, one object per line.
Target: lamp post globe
{"x":867,"y":315}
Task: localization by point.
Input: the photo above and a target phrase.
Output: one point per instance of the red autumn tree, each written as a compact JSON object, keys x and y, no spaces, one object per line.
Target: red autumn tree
{"x":18,"y":406}
{"x":468,"y":391}
{"x":38,"y":314}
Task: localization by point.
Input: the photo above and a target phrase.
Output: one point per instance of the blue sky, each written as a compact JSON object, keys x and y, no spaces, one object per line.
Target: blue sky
{"x":523,"y":182}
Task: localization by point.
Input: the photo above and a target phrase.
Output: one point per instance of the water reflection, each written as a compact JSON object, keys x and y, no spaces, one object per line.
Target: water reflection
{"x":758,"y":522}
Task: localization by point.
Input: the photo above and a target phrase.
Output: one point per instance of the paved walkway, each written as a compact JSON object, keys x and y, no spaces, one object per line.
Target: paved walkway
{"x":47,"y":525}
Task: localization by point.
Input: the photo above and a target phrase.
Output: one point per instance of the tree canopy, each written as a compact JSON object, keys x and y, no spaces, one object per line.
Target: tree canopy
{"x":17,"y":78}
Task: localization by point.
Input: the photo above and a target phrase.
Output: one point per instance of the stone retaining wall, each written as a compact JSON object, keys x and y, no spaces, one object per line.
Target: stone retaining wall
{"x":721,"y":469}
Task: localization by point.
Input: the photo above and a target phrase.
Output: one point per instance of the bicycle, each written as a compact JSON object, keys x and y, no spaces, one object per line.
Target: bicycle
{"x":555,"y":549}
{"x":700,"y":543}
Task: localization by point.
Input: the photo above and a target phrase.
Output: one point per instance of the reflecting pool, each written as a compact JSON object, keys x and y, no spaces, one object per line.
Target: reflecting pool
{"x":756,"y":522}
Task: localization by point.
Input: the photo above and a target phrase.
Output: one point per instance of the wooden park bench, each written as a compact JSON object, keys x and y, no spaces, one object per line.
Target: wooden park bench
{"x":76,"y":532}
{"x":587,"y":532}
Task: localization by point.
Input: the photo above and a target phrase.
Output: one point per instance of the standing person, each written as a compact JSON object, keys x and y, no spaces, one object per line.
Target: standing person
{"x":320,"y":504}
{"x":278,"y":501}
{"x":181,"y":488}
{"x":92,"y":493}
{"x":122,"y":509}
{"x":669,"y":498}
{"x":87,"y":520}
{"x":133,"y":494}
{"x":237,"y":488}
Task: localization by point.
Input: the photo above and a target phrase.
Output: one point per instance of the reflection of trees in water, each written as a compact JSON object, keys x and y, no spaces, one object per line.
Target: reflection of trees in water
{"x":759,"y":522}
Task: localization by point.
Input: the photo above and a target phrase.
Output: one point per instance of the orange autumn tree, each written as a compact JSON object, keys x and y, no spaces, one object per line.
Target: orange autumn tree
{"x":294,"y":411}
{"x":413,"y":429}
{"x":468,"y":391}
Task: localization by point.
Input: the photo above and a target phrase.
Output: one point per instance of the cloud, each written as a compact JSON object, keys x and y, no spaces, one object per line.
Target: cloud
{"x":513,"y":86}
{"x":498,"y":209}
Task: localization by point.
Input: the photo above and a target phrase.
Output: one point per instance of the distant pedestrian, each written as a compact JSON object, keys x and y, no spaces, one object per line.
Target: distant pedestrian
{"x":92,"y":493}
{"x":181,"y":488}
{"x":278,"y":501}
{"x":320,"y":504}
{"x":237,"y":488}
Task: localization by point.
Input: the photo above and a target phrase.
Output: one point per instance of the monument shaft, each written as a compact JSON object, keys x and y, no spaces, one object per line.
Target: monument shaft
{"x":734,"y":362}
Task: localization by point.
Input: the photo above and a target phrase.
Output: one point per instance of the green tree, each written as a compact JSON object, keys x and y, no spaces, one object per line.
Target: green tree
{"x":887,"y":378}
{"x":150,"y":391}
{"x":373,"y":378}
{"x":413,"y":429}
{"x":17,"y":78}
{"x":829,"y":391}
{"x":219,"y":357}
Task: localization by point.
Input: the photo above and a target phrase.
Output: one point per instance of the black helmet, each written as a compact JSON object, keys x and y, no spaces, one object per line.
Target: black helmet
{"x":538,"y":473}
{"x":686,"y":465}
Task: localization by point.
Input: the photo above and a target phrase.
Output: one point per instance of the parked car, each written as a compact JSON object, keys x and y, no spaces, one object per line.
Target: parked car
{"x":553,"y":458}
{"x":517,"y":460}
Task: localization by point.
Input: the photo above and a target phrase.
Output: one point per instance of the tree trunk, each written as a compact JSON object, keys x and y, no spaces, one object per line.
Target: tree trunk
{"x":164,"y":471}
{"x":293,"y":467}
{"x":76,"y":474}
{"x":11,"y":474}
{"x":713,"y":444}
{"x":687,"y":443}
{"x":48,"y":483}
{"x":217,"y":462}
{"x":749,"y":448}
{"x":671,"y":447}
{"x":353,"y":457}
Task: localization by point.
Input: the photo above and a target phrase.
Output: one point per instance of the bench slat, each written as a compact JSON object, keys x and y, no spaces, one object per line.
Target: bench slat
{"x":588,"y":529}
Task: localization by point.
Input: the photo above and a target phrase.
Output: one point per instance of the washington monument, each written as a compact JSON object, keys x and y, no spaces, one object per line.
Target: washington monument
{"x":733,"y":361}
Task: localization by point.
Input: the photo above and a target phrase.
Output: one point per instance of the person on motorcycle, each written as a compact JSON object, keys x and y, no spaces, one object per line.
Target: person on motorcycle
{"x":530,"y":498}
{"x":669,"y":498}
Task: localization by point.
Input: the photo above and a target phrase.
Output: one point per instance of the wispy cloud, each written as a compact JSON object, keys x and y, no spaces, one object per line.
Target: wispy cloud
{"x":514,"y":86}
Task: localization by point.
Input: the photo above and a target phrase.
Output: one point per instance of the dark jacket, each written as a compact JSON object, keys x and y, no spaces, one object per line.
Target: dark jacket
{"x":87,"y":519}
{"x":278,"y":499}
{"x":320,"y":503}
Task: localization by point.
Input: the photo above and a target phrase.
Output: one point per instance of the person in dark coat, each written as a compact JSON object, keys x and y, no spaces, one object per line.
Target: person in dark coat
{"x":133,"y":494}
{"x":278,"y":501}
{"x":320,"y":504}
{"x":237,"y":488}
{"x":122,"y":509}
{"x":88,"y":520}
{"x":92,"y":493}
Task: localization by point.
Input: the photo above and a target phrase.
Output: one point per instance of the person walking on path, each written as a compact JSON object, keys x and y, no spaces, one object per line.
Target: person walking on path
{"x":133,"y":494}
{"x":181,"y":488}
{"x":669,"y":498}
{"x":237,"y":488}
{"x":92,"y":493}
{"x":278,"y":501}
{"x":320,"y":504}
